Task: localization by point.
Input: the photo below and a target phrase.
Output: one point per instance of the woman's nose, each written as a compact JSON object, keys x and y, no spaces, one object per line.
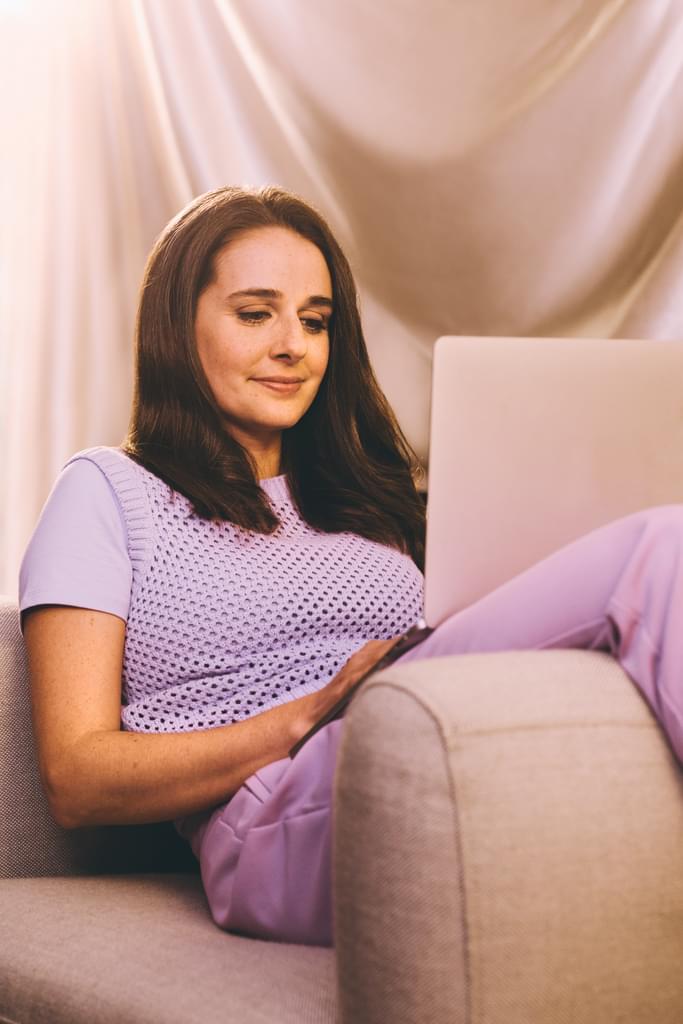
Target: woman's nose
{"x":292,"y":335}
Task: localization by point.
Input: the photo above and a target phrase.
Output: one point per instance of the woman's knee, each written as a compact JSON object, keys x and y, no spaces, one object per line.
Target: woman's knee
{"x":662,"y":539}
{"x":666,"y":521}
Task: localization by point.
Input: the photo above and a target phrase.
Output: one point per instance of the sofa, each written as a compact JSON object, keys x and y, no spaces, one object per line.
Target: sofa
{"x":508,"y":849}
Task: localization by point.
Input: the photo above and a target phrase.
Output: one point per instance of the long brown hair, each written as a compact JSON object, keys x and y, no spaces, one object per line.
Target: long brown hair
{"x":348,"y":464}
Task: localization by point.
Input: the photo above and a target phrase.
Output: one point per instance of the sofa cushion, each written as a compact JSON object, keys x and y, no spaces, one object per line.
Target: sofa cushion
{"x":143,"y":948}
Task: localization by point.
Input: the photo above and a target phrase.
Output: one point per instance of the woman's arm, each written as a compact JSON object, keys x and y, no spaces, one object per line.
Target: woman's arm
{"x":94,"y":773}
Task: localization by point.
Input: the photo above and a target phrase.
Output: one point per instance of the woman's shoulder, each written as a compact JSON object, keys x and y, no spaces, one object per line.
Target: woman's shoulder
{"x":82,"y":482}
{"x":96,"y":485}
{"x":111,"y":461}
{"x":125,"y":476}
{"x":79,"y":552}
{"x":109,"y":475}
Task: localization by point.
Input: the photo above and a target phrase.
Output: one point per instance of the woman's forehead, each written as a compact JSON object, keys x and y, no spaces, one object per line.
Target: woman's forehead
{"x":272,"y":257}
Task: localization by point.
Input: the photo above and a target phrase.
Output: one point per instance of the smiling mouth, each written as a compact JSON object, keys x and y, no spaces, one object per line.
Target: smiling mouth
{"x":286,"y":388}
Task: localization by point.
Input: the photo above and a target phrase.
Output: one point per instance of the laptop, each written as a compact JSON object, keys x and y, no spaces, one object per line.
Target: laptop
{"x":533,"y":443}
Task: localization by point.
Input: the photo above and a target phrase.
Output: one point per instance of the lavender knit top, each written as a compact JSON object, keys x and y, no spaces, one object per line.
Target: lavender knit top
{"x":221,"y":623}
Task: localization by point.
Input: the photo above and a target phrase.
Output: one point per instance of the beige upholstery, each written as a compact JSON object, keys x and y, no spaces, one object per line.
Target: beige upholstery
{"x":143,"y":948}
{"x":526,"y":823}
{"x":508,"y":848}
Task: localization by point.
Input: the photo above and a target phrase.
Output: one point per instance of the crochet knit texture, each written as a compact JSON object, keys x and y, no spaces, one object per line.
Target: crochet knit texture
{"x":224,"y":622}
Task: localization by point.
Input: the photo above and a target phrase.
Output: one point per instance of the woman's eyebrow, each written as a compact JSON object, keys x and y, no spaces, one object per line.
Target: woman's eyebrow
{"x":318,"y":300}
{"x":272,"y":293}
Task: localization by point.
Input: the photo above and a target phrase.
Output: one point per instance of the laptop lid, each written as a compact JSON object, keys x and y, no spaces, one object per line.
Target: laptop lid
{"x":536,"y":441}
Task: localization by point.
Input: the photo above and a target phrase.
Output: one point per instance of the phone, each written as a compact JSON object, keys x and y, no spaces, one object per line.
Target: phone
{"x":415,"y":635}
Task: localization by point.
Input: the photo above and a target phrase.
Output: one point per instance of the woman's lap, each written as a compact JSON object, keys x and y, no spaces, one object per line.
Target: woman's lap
{"x":266,"y":855}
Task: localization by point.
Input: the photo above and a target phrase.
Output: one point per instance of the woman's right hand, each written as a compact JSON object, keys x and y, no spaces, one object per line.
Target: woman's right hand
{"x":361,"y":661}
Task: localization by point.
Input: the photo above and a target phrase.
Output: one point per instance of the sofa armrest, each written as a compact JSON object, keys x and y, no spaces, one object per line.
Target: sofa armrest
{"x":508,"y":846}
{"x":31,"y":842}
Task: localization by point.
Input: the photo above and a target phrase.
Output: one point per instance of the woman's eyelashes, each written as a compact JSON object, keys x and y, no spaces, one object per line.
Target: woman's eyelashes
{"x":314,"y":325}
{"x":252,"y":316}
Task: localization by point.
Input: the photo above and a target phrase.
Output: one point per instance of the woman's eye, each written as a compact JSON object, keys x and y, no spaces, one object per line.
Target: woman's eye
{"x":314,"y":325}
{"x":255,"y":316}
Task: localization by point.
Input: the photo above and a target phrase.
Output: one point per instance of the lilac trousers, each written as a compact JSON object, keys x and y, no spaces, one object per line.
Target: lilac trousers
{"x":265,"y":856}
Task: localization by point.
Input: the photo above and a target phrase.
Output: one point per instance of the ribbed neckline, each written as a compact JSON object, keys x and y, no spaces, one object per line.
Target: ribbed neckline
{"x":276,"y":486}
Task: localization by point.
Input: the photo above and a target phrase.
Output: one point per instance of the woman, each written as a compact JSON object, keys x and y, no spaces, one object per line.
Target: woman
{"x":195,"y":600}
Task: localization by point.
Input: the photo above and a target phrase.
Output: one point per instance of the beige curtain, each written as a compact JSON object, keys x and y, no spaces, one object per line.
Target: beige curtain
{"x":498,"y":167}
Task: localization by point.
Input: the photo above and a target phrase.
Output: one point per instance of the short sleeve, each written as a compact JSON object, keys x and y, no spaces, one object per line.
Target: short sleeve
{"x":78,"y":553}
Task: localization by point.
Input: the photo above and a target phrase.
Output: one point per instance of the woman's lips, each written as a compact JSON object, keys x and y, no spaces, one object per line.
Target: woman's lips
{"x":285,"y":389}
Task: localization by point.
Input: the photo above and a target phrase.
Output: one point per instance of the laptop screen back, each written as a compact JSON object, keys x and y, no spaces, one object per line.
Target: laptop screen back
{"x":536,"y":441}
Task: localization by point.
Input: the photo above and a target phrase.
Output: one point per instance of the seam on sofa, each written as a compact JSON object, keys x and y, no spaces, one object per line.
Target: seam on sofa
{"x":608,"y":723}
{"x":457,"y":832}
{"x":461,"y":860}
{"x":542,"y":726}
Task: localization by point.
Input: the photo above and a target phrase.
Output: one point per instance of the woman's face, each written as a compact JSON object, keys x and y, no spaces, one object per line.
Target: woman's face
{"x":265,"y":314}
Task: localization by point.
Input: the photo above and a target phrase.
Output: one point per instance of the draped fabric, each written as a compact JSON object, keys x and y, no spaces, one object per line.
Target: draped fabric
{"x":490,"y":168}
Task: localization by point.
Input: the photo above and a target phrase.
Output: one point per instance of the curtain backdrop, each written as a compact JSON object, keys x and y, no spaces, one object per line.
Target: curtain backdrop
{"x":499,"y":167}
